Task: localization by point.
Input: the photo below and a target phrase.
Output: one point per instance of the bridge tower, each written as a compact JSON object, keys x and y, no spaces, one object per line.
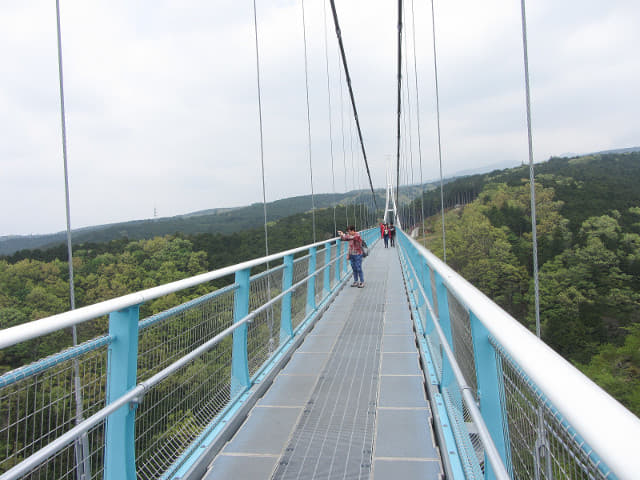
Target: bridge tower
{"x":390,"y":205}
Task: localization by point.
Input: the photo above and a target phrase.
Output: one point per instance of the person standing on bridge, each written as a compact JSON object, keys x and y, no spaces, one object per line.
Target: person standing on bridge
{"x":354,"y":255}
{"x":385,"y":234}
{"x":392,"y":235}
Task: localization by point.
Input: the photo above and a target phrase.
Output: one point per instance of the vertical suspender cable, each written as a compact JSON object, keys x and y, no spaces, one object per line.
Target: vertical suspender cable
{"x":544,"y":456}
{"x":270,"y":313}
{"x":66,"y":170}
{"x":353,"y":174}
{"x":333,"y":174}
{"x":81,"y":445}
{"x":399,"y":100}
{"x":344,"y":150}
{"x":415,"y":70}
{"x":353,"y":100}
{"x":306,"y":83}
{"x":531,"y":173}
{"x":259,"y":92}
{"x":409,"y":132}
{"x":435,"y":70}
{"x":405,"y":164}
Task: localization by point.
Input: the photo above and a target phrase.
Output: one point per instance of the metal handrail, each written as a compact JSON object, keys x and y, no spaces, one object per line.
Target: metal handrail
{"x":37,"y":328}
{"x":604,"y":424}
{"x":491,"y":451}
{"x":136,"y":394}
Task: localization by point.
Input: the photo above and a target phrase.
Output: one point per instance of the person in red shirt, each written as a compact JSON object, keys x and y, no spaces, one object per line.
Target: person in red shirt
{"x":384,"y":232}
{"x":354,"y":255}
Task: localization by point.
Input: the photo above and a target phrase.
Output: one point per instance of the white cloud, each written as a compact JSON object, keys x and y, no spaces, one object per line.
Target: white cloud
{"x":162,"y":105}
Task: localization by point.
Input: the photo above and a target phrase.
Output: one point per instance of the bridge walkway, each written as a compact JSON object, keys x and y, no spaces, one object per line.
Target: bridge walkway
{"x":351,"y":401}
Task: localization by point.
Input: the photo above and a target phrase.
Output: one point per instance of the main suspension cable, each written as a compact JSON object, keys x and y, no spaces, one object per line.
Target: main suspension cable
{"x":353,"y":101}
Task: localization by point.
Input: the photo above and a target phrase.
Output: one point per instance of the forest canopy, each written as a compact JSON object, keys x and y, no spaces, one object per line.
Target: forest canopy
{"x":588,"y":227}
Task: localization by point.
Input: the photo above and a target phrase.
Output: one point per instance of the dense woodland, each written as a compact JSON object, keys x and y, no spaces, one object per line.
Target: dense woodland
{"x":588,"y":211}
{"x":588,"y":228}
{"x":35,"y":283}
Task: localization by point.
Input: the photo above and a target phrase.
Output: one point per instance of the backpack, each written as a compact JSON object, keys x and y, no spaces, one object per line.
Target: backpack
{"x":365,"y":249}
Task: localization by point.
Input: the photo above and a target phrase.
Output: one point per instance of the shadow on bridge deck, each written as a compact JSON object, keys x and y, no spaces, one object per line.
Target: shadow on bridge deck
{"x":351,"y":401}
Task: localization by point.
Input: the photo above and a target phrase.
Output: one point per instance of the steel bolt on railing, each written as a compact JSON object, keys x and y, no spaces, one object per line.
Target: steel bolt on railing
{"x":162,"y":350}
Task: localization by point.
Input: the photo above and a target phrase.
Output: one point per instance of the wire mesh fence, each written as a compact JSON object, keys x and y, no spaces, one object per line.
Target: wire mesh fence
{"x":176,"y":411}
{"x":462,"y":341}
{"x":299,"y":296}
{"x":462,"y":425}
{"x":542,"y":445}
{"x":319,"y":276}
{"x":332,"y":269}
{"x":466,"y":431}
{"x":44,"y":400}
{"x":263,"y":336}
{"x":469,"y":444}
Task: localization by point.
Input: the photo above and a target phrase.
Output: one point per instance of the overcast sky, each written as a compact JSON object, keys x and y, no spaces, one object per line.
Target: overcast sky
{"x":162,"y":112}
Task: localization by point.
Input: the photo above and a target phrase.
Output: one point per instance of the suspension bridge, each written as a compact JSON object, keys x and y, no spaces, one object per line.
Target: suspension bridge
{"x":288,"y":373}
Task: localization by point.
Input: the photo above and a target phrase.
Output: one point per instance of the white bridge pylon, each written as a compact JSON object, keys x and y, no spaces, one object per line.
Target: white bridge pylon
{"x":390,"y":205}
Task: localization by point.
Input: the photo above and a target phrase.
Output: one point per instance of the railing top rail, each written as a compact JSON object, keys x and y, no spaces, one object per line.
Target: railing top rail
{"x":37,"y":328}
{"x":605,"y":424}
{"x":499,"y":469}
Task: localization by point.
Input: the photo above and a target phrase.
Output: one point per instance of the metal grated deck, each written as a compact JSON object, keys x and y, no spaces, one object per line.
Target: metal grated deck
{"x":350,"y":404}
{"x":334,"y":436}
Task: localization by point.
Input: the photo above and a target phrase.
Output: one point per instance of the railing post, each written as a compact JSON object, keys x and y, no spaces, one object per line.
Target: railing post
{"x":426,"y":285}
{"x":311,"y":283}
{"x":420,"y":300}
{"x":345,"y":262}
{"x":338,"y":260}
{"x":120,"y":460}
{"x":426,"y":281}
{"x":327,"y":270}
{"x":443,"y":309}
{"x":286,"y":327}
{"x":490,"y":391}
{"x":240,"y":379}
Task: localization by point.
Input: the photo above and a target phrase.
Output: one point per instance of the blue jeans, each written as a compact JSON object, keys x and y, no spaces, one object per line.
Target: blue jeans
{"x":356,"y":266}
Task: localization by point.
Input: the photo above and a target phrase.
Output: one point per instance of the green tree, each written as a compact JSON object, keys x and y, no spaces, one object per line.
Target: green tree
{"x":586,"y":298}
{"x":617,"y":369}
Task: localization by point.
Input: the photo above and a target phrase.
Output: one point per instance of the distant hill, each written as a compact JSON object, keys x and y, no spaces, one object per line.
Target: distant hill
{"x":461,"y":188}
{"x":219,"y":220}
{"x":602,"y":152}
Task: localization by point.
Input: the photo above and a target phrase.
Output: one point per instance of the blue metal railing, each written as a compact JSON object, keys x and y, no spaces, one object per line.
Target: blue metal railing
{"x":503,"y":399}
{"x":156,"y":389}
